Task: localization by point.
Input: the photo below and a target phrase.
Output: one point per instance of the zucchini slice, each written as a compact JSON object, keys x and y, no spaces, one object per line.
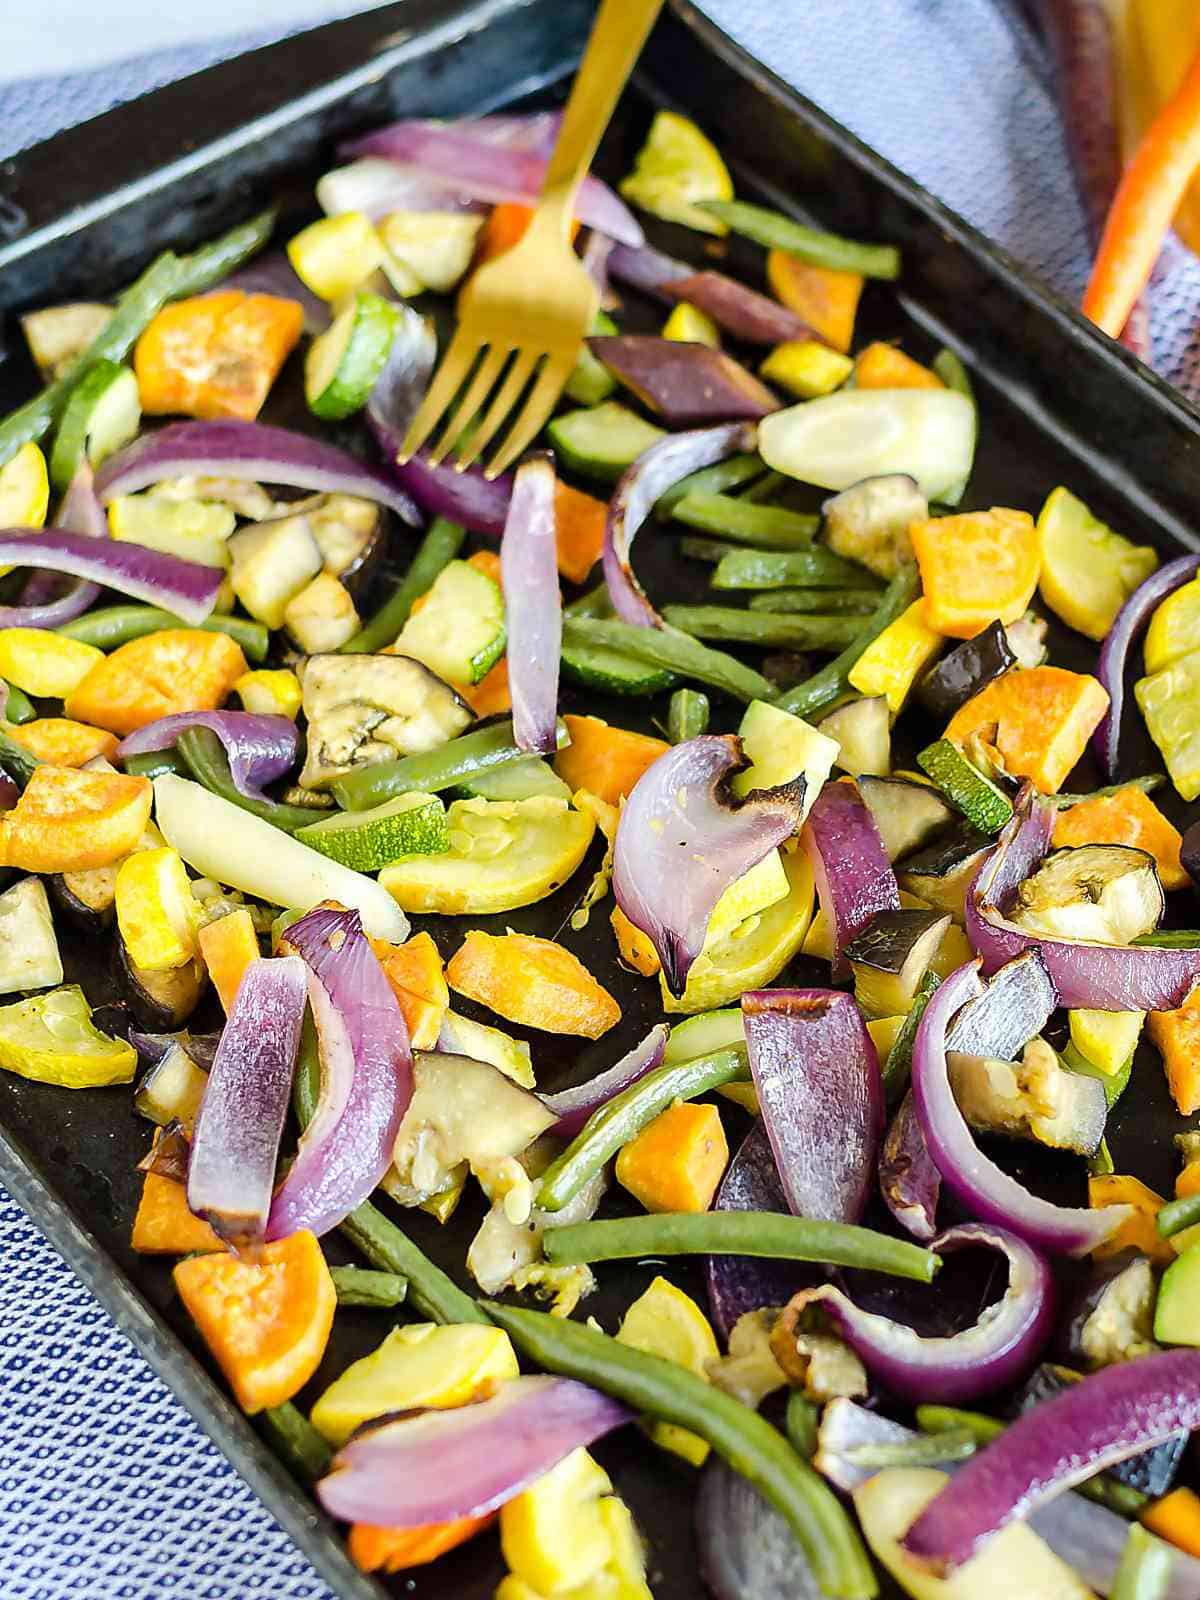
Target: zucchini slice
{"x":344,"y":361}
{"x":103,"y":414}
{"x":984,"y":805}
{"x":603,"y":441}
{"x":29,"y":957}
{"x":459,"y":631}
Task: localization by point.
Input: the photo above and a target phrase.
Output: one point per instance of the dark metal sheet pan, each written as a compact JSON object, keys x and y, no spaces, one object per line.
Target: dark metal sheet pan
{"x":81,"y":213}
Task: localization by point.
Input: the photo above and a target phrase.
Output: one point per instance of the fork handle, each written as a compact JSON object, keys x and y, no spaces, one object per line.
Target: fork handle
{"x":616,"y":41}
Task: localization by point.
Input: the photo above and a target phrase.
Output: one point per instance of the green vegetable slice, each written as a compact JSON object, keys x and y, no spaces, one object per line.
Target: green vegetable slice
{"x":984,"y":805}
{"x":410,"y":825}
{"x":344,"y":362}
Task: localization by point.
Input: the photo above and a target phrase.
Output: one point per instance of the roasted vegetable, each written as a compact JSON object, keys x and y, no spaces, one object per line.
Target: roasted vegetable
{"x":941,"y":873}
{"x":1104,"y":893}
{"x":1113,"y":1318}
{"x":870,"y":522}
{"x":976,"y":567}
{"x":29,"y":957}
{"x":363,"y":709}
{"x":162,"y":1000}
{"x":892,"y":662}
{"x":862,"y":730}
{"x":907,"y":815}
{"x":967,"y":669}
{"x":890,"y":957}
{"x":1035,"y":1098}
{"x":1043,"y":719}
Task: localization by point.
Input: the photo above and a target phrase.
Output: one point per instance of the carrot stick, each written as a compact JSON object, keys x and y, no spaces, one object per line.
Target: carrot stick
{"x":1147,"y":198}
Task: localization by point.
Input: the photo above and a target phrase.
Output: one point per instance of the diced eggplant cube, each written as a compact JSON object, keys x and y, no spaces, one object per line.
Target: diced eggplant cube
{"x":272,"y":562}
{"x":322,"y":616}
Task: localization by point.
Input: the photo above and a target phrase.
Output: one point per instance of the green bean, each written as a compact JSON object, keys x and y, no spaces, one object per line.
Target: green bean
{"x":19,"y":707}
{"x":1177,"y":1215}
{"x":764,"y":487}
{"x":801,"y":1421}
{"x":949,"y":1419}
{"x":440,"y":545}
{"x":1112,"y":1493}
{"x":925,"y":1450}
{"x":1144,"y":1571}
{"x":771,"y":631}
{"x":204,"y":756}
{"x":832,"y":680}
{"x":897,"y":1069}
{"x":1170,"y":939}
{"x":303,"y":1449}
{"x":16,"y":761}
{"x":667,"y":647}
{"x":746,"y":1441}
{"x":687,"y":715}
{"x":712,"y":550}
{"x":364,"y":1286}
{"x":954,"y":375}
{"x":772,"y":527}
{"x":777,"y":232}
{"x":626,"y":1114}
{"x":155,"y":763}
{"x":721,"y":475}
{"x":827,"y":602}
{"x":214,"y":261}
{"x":1147,"y":784}
{"x":116,"y":625}
{"x":1100,"y":1162}
{"x":433,"y":770}
{"x":770,"y":1234}
{"x":430,"y":1291}
{"x":817,"y":568}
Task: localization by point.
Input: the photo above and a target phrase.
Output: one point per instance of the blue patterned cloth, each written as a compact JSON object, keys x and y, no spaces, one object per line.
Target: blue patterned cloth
{"x":108,"y":1491}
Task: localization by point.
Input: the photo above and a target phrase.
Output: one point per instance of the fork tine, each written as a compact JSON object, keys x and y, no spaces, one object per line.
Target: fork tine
{"x":517,"y":377}
{"x":535,"y":412}
{"x":480,"y":387}
{"x":455,"y":365}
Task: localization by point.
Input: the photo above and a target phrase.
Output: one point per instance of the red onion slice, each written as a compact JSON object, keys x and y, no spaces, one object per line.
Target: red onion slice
{"x":533,"y":606}
{"x":1000,"y":1348}
{"x":235,"y":1142}
{"x":366,"y":1076}
{"x":493,"y":173}
{"x":853,"y":875}
{"x":646,"y":269}
{"x":184,"y":588}
{"x":738,"y":1284}
{"x":1105,"y":1418}
{"x":437,"y":1466}
{"x":820,"y":1096}
{"x":45,"y":602}
{"x":260,"y":748}
{"x":1131,"y":622}
{"x":908,"y":1180}
{"x":747,"y":1549}
{"x":249,"y":450}
{"x":594,"y":256}
{"x":684,"y":837}
{"x":1100,"y":977}
{"x":1087,"y":1536}
{"x":988,"y":1193}
{"x":654,"y":472}
{"x":573,"y":1107}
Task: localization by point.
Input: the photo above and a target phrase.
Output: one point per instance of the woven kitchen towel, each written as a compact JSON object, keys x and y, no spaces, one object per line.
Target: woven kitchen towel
{"x":107,"y":1490}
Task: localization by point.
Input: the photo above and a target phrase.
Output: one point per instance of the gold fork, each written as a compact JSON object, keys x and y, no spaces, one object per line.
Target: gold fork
{"x":533,"y":305}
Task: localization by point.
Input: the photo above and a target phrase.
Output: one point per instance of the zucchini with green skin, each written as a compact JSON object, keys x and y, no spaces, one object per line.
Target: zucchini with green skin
{"x":344,"y":361}
{"x":102,"y":414}
{"x":410,"y":825}
{"x":459,"y":632}
{"x":441,"y":544}
{"x":602,"y":441}
{"x":591,"y":381}
{"x":979,"y":800}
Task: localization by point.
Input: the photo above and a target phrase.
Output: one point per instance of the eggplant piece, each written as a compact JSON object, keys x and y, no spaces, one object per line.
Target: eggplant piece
{"x":1151,"y":1472}
{"x":86,"y":898}
{"x":1035,"y":1098}
{"x":968,"y":668}
{"x":863,"y":730}
{"x":57,"y":335}
{"x":688,"y":385}
{"x":869,"y":522}
{"x":891,"y":955}
{"x":1027,"y":640}
{"x":362,"y":709}
{"x":1101,"y":893}
{"x":171,"y":1090}
{"x":1112,"y":1318}
{"x":907,"y":815}
{"x":462,"y":1110}
{"x":817,"y":1362}
{"x":942,"y":872}
{"x":350,"y":534}
{"x":160,"y":1001}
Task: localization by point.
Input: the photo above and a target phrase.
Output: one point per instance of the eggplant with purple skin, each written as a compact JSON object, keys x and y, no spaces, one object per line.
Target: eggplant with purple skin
{"x":87,"y":899}
{"x":942,"y":872}
{"x":967,"y":669}
{"x":688,"y":385}
{"x":1112,"y":1318}
{"x":1151,"y":1472}
{"x":909,"y":816}
{"x":161,"y":1001}
{"x":1035,"y":1098}
{"x":891,"y":955}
